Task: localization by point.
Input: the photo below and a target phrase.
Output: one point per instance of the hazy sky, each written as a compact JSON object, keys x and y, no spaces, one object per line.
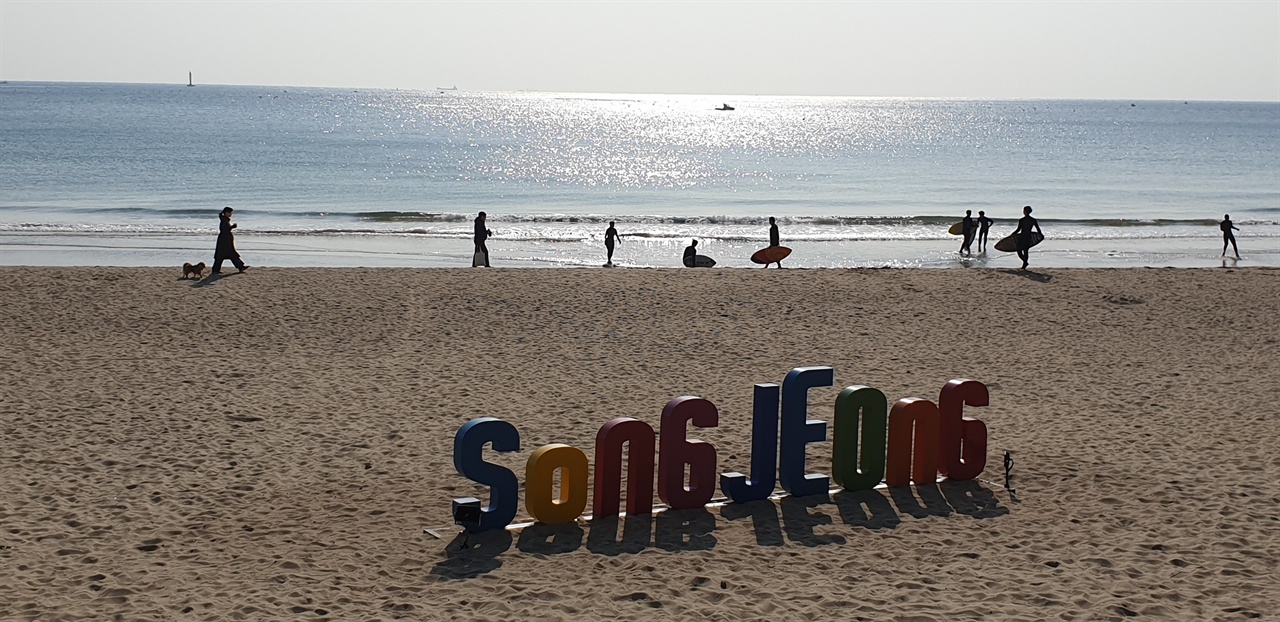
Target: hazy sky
{"x":1217,"y":50}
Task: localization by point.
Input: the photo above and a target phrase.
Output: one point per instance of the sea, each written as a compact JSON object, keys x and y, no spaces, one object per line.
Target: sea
{"x":135,"y":174}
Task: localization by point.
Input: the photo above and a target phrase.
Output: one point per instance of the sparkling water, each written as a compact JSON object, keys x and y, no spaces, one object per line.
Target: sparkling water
{"x":135,"y":175}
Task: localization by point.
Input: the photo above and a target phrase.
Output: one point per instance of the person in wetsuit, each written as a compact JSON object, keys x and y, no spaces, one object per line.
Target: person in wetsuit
{"x":1227,"y":236}
{"x":481,"y":234}
{"x":611,"y":237}
{"x":984,"y":224}
{"x":690,"y":252}
{"x":967,"y":229}
{"x":774,"y":238}
{"x":1024,"y":237}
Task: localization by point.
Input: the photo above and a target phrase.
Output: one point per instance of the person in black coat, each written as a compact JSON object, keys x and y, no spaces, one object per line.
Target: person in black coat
{"x":226,"y":248}
{"x":482,"y":233}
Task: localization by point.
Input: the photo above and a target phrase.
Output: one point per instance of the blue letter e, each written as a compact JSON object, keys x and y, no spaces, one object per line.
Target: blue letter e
{"x":798,"y":430}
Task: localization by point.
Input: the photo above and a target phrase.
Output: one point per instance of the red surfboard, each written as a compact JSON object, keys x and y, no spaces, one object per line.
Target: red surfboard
{"x":770,"y":255}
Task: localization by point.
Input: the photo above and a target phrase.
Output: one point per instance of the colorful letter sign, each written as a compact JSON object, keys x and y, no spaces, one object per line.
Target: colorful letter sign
{"x":798,"y":430}
{"x":640,"y":438}
{"x":540,"y":481}
{"x":962,"y":442}
{"x":912,"y":419}
{"x":854,"y":470}
{"x":674,"y":452}
{"x":504,"y":489}
{"x":914,"y":441}
{"x":764,"y":450}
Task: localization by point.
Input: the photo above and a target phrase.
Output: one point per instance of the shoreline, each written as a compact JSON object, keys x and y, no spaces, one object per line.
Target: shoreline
{"x":358,"y":251}
{"x":274,"y":443}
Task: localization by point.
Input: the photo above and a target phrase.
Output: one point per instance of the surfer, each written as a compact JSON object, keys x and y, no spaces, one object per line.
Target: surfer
{"x":774,"y":239}
{"x":482,"y":234}
{"x":1023,"y":233}
{"x":1227,"y":236}
{"x":984,"y":224}
{"x":967,"y":231}
{"x":690,"y":252}
{"x":611,"y":236}
{"x":226,"y":246}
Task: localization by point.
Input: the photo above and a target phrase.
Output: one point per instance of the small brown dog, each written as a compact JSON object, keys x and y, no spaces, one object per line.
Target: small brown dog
{"x":195,"y":272}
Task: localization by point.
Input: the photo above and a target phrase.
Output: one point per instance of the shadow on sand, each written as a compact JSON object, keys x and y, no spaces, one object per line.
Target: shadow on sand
{"x":775,"y":522}
{"x":213,"y":278}
{"x":1029,"y":274}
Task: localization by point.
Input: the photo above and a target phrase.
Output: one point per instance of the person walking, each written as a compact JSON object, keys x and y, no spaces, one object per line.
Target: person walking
{"x":482,"y":233}
{"x":1024,"y":236}
{"x":774,"y":238}
{"x":1227,"y":236}
{"x":611,"y":237}
{"x":967,"y":231}
{"x":226,"y":246}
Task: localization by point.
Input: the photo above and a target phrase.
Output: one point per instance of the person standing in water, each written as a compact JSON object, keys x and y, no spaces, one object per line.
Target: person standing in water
{"x":967,"y":230}
{"x":984,"y":224}
{"x":1023,"y":235}
{"x":774,"y":238}
{"x":1227,"y":236}
{"x":611,"y":237}
{"x":482,"y":233}
{"x":226,"y":246}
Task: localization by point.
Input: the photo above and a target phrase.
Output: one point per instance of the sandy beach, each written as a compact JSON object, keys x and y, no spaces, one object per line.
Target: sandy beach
{"x":277,"y":444}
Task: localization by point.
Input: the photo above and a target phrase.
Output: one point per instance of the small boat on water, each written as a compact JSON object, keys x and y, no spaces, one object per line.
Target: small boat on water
{"x":725,"y":107}
{"x":189,"y":82}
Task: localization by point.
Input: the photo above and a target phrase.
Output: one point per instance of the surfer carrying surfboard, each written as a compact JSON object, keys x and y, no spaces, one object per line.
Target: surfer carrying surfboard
{"x":774,"y":238}
{"x":610,"y":238}
{"x":482,"y":234}
{"x":984,"y":224}
{"x":967,"y":229}
{"x":1023,"y":235}
{"x":775,"y":252}
{"x":690,"y":252}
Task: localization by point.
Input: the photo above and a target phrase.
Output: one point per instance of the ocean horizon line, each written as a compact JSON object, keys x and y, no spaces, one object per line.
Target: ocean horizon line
{"x":622,"y":94}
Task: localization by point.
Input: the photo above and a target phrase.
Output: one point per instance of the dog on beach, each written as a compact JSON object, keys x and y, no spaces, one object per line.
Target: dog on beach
{"x":194,"y":271}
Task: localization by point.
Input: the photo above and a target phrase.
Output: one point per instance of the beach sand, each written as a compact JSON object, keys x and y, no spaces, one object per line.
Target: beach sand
{"x":272,"y":445}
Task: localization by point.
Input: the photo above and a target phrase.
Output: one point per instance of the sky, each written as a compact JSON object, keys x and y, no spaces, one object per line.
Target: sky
{"x":1219,"y":50}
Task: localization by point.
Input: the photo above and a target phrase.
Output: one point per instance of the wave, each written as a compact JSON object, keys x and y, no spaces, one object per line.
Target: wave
{"x":336,"y":217}
{"x":170,"y":212}
{"x":579,"y":235}
{"x":818,"y":220}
